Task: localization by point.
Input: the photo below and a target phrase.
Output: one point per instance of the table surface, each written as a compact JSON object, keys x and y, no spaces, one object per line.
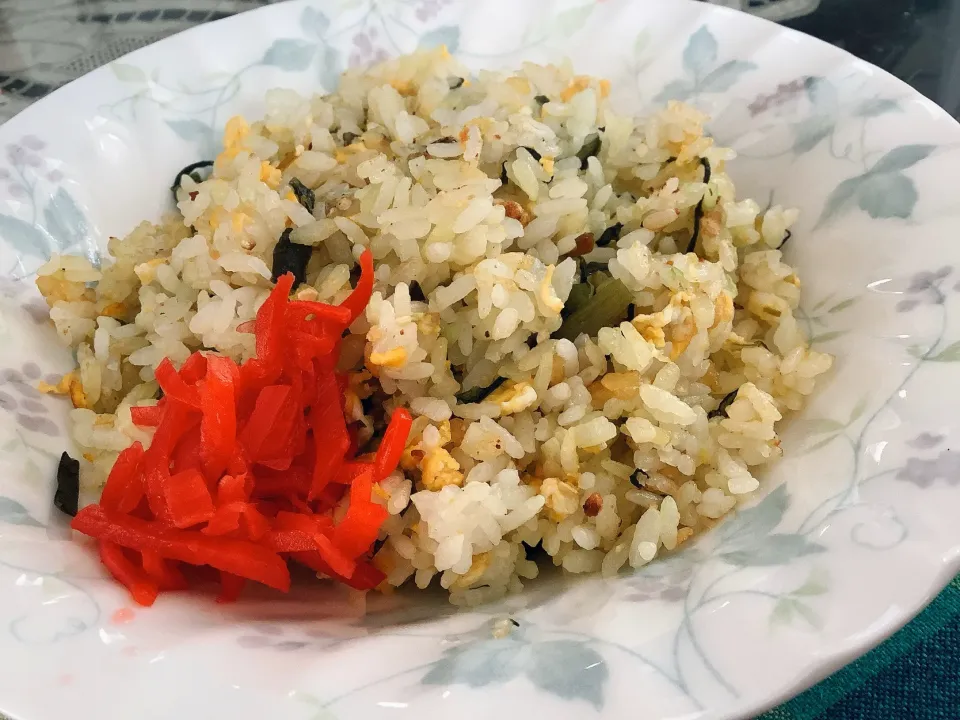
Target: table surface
{"x":46,"y":43}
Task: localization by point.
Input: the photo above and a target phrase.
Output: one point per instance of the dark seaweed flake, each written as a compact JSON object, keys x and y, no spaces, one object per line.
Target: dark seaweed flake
{"x":635,"y":478}
{"x":698,"y":210}
{"x":305,"y":195}
{"x":290,"y":257}
{"x":609,"y":235}
{"x":785,"y":239}
{"x":67,"y":496}
{"x":190,"y":170}
{"x":475,"y":395}
{"x":727,"y":401}
{"x":456,"y":82}
{"x":541,"y":99}
{"x":591,"y":146}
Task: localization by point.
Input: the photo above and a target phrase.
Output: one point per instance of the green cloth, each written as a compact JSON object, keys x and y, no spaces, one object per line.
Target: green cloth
{"x":913,"y":675}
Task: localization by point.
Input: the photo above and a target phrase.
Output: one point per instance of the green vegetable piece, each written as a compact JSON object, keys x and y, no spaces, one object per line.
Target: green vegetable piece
{"x":606,"y":308}
{"x":580,"y":295}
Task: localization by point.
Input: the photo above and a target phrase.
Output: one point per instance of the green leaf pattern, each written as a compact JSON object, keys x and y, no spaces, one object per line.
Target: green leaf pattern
{"x":448,"y":36}
{"x":951,"y":353}
{"x":883,"y":191}
{"x":64,"y":227}
{"x":314,"y":23}
{"x":702,"y":75}
{"x":567,"y":669}
{"x":772,"y":550}
{"x":27,"y":240}
{"x":700,"y":54}
{"x":568,"y":22}
{"x":128,"y":73}
{"x":748,"y":538}
{"x":289,"y":54}
{"x":874,"y":107}
{"x":13,"y":513}
{"x":795,"y":605}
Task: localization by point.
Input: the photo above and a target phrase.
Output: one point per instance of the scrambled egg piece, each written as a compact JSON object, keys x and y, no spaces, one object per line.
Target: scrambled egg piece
{"x":429,"y":323}
{"x":722,"y":309}
{"x":439,"y":469}
{"x":114,"y":310}
{"x":233,"y":136}
{"x":147,"y":272}
{"x":560,"y":497}
{"x":414,"y":453}
{"x":235,"y":131}
{"x":682,"y":335}
{"x":513,"y":397}
{"x":479,"y":566}
{"x":579,"y":83}
{"x":391,"y":358}
{"x":69,"y":385}
{"x":270,"y":175}
{"x":621,"y":385}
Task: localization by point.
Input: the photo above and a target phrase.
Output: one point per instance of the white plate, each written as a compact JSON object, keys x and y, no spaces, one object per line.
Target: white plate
{"x":858,"y":534}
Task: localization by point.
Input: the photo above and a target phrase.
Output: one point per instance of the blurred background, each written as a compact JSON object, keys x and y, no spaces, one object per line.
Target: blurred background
{"x":46,"y":43}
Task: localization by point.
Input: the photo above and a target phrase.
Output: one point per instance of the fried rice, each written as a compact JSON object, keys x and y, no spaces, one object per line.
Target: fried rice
{"x":596,"y":338}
